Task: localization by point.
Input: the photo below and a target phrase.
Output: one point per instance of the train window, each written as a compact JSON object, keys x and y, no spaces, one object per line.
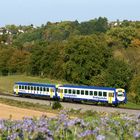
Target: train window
{"x":22,"y":87}
{"x":47,"y":89}
{"x":100,"y":93}
{"x":44,"y":89}
{"x":104,"y":94}
{"x":82,"y":92}
{"x":95,"y":93}
{"x":19,"y":87}
{"x":69,"y":91}
{"x":61,"y":90}
{"x":52,"y":90}
{"x":73,"y":91}
{"x":86,"y":92}
{"x":25,"y":87}
{"x":91,"y":93}
{"x":111,"y":94}
{"x":28,"y":87}
{"x":34,"y":88}
{"x":40,"y":88}
{"x":65,"y":90}
{"x":31,"y":88}
{"x":37,"y":88}
{"x":78,"y":91}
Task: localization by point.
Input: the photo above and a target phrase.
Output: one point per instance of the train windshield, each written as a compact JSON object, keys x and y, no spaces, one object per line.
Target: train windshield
{"x":120,"y":94}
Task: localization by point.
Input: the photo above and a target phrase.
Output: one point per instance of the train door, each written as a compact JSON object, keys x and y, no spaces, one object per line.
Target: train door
{"x":110,"y":97}
{"x":51,"y":92}
{"x":61,"y":94}
{"x":16,"y":89}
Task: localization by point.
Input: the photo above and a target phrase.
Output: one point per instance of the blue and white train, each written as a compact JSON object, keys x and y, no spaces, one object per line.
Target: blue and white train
{"x":72,"y":92}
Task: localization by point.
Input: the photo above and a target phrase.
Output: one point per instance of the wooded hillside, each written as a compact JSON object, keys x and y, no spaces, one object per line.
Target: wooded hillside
{"x":95,"y":52}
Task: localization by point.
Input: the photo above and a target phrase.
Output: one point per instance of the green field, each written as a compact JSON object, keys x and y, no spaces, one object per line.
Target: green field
{"x":7,"y":82}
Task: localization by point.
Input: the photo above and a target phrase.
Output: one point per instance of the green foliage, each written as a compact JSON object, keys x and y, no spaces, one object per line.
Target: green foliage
{"x":56,"y":105}
{"x":135,"y":89}
{"x":94,"y":26}
{"x":118,"y":74}
{"x":123,"y":35}
{"x":85,"y":57}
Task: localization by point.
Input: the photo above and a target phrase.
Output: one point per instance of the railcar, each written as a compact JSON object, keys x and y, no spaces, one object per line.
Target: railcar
{"x":92,"y":94}
{"x":75,"y":93}
{"x":35,"y":89}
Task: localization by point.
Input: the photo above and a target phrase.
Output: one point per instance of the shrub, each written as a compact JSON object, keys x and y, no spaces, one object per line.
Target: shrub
{"x":56,"y":105}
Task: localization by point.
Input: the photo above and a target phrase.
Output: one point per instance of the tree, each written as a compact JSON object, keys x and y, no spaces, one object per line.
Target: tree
{"x":118,"y":74}
{"x":122,"y":35}
{"x":135,"y":89}
{"x":85,"y":57}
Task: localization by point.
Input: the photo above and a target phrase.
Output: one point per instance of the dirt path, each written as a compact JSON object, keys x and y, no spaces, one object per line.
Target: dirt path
{"x":18,"y":113}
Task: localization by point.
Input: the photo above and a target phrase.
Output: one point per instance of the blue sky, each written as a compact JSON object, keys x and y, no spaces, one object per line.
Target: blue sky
{"x":37,"y":12}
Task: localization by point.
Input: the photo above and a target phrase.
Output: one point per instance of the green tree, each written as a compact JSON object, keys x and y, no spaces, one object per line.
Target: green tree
{"x":118,"y":74}
{"x":5,"y":55}
{"x":85,"y":57}
{"x":135,"y":89}
{"x":123,"y":35}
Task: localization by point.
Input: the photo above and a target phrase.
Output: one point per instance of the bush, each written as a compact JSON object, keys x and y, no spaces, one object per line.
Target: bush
{"x":56,"y":105}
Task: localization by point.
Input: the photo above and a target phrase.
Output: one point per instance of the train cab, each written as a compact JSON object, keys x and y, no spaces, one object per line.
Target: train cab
{"x":121,"y":95}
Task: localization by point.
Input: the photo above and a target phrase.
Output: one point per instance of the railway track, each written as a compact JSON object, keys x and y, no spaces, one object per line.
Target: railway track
{"x":71,"y":105}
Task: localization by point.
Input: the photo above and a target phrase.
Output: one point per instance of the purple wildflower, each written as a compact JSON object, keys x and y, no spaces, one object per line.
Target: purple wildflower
{"x":86,"y":133}
{"x":100,"y":137}
{"x":136,"y":134}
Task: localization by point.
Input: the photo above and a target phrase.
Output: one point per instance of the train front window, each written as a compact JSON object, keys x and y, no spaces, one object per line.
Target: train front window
{"x":120,"y":94}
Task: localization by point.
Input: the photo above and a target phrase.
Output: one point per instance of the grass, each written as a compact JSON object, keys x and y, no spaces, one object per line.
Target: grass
{"x":131,"y":105}
{"x":27,"y":105}
{"x":7,"y":82}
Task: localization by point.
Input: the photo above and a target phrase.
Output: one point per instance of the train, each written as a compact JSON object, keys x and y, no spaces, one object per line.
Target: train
{"x":74,"y":93}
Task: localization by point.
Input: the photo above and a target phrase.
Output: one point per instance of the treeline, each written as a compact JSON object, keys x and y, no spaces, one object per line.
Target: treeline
{"x":94,"y":52}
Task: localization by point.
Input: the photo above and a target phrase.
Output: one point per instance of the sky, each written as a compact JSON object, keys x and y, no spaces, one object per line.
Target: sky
{"x":38,"y":12}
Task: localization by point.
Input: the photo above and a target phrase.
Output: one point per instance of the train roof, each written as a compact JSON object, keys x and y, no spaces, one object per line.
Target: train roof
{"x":35,"y":84}
{"x":88,"y":87}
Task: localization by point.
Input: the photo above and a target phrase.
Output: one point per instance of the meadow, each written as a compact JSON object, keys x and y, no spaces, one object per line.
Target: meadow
{"x":91,"y":125}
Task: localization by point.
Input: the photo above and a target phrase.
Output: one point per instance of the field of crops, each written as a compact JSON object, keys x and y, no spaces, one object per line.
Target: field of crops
{"x":92,"y":125}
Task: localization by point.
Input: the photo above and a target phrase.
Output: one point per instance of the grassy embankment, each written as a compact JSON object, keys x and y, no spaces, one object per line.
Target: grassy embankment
{"x":7,"y":82}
